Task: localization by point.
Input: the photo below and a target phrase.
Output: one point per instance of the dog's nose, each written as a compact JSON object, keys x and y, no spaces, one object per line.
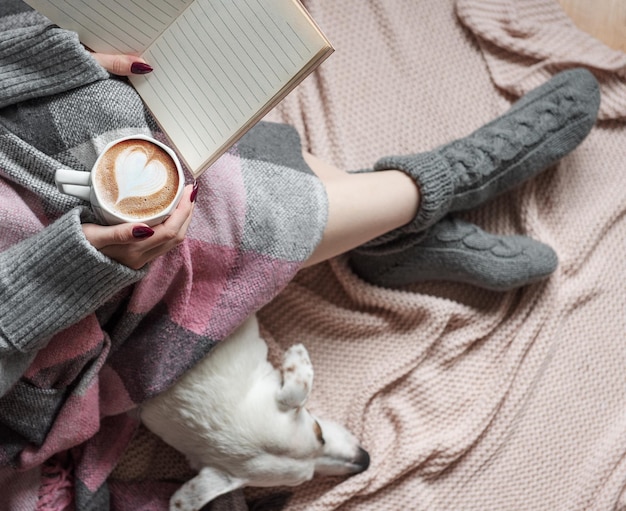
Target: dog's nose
{"x":362,"y":461}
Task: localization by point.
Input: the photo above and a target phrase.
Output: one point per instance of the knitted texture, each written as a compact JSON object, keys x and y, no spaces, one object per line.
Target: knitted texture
{"x":51,"y":58}
{"x":457,"y":251}
{"x":541,"y":128}
{"x":468,"y":399}
{"x":24,"y":298}
{"x":520,"y":45}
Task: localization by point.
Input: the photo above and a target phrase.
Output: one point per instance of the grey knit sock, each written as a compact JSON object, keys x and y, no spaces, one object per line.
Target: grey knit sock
{"x":538,"y":130}
{"x":458,"y":251}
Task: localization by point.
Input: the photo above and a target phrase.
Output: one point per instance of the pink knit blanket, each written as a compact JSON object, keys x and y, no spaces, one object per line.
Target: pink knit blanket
{"x":469,"y":399}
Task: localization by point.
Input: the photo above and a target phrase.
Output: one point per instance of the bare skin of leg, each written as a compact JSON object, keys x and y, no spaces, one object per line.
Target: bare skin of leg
{"x":361,"y":206}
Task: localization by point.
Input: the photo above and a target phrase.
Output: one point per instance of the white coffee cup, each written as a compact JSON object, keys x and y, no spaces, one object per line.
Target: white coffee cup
{"x":135,"y":179}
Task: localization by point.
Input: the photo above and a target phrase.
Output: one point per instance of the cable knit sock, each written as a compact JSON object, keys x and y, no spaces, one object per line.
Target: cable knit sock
{"x":537,"y":131}
{"x":457,"y":251}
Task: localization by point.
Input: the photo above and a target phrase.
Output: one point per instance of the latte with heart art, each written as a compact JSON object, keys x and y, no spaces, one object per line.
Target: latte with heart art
{"x":136,"y":178}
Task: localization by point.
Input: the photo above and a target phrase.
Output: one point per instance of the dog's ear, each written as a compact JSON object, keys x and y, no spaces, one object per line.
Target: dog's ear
{"x":203,"y":488}
{"x":297,"y":375}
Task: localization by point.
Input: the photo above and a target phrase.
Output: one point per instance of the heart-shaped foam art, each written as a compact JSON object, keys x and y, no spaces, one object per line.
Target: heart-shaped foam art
{"x":137,"y":176}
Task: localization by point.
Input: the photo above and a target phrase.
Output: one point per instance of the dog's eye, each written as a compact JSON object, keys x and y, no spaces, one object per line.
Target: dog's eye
{"x":318,"y":433}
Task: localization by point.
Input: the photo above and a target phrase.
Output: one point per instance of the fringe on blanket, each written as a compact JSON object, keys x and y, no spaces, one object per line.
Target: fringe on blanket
{"x":56,"y":492}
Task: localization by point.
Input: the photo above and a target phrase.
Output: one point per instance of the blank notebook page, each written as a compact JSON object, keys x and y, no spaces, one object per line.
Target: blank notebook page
{"x":122,"y":26}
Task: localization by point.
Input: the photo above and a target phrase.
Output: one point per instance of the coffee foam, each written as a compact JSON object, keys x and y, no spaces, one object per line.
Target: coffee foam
{"x":136,"y":178}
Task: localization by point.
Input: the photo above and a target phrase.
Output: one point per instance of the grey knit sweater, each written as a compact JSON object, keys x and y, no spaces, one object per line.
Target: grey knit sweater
{"x":52,"y":279}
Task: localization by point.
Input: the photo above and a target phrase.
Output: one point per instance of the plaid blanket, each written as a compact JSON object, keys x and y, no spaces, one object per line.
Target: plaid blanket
{"x":84,"y":340}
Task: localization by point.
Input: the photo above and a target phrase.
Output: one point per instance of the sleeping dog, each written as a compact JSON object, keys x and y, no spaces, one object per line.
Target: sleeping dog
{"x":241,"y":422}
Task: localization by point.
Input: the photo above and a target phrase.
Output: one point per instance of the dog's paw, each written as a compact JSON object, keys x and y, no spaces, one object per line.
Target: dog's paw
{"x":207,"y":485}
{"x":297,"y":374}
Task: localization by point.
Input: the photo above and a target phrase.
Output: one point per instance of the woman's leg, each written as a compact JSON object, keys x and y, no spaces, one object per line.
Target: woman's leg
{"x":361,"y":207}
{"x":401,"y":226}
{"x":364,"y":206}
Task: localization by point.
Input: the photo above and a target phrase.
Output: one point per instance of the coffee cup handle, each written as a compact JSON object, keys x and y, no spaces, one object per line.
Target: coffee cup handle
{"x":73,"y":182}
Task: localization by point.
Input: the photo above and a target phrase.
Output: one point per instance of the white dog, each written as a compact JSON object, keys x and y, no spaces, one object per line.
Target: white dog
{"x":241,"y":422}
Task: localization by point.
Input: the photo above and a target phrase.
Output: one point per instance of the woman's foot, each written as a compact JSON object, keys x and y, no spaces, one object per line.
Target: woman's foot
{"x":538,"y":130}
{"x":457,"y":251}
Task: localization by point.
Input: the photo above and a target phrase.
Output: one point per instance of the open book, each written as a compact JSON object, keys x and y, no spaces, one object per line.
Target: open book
{"x":219,"y":65}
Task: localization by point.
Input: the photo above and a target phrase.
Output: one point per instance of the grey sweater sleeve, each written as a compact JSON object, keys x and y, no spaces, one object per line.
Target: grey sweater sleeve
{"x":41,"y":59}
{"x":55,"y":278}
{"x":51,"y":281}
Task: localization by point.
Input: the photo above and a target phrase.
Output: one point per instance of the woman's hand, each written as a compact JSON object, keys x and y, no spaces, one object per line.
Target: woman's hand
{"x":122,"y":65}
{"x":135,"y":245}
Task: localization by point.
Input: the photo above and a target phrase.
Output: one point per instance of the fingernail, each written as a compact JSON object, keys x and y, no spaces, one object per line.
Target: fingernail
{"x":140,"y":68}
{"x":142,"y":232}
{"x":194,"y":192}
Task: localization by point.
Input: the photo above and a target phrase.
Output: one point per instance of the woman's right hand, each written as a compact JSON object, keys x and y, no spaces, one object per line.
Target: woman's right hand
{"x":135,"y":245}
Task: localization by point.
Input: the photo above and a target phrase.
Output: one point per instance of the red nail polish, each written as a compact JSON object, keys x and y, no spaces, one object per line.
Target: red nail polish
{"x":142,"y":232}
{"x":194,"y":192}
{"x":140,"y":68}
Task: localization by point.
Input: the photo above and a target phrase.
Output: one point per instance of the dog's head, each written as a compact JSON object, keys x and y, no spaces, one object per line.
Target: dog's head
{"x":300,"y":447}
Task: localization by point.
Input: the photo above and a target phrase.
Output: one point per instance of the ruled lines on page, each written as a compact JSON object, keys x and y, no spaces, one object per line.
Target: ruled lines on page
{"x":217,"y":66}
{"x":113,"y":26}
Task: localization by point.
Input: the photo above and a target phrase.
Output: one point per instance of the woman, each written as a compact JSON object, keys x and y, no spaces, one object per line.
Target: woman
{"x":95,"y":319}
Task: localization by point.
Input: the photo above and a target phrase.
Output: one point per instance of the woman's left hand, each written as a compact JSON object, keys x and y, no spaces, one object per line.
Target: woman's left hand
{"x":122,"y":65}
